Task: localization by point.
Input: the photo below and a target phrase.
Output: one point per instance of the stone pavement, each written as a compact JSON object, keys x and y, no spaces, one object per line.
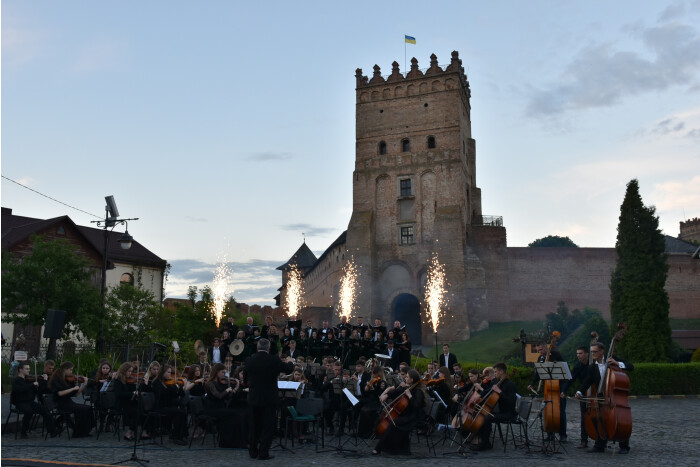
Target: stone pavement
{"x":665,"y":432}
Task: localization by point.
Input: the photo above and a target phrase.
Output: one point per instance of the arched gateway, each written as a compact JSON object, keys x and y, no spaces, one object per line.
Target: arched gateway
{"x":406,"y":308}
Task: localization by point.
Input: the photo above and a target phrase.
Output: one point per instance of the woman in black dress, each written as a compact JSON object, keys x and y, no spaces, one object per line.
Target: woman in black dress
{"x":221,"y":390}
{"x":168,"y":392}
{"x":404,"y":348}
{"x":395,"y":439}
{"x":64,"y":386}
{"x":372,"y":407}
{"x":124,"y":385}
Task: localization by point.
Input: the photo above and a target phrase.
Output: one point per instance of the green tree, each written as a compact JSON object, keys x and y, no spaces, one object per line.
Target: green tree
{"x":553,"y":241}
{"x":53,"y":275}
{"x":131,"y":313}
{"x":638,"y":296}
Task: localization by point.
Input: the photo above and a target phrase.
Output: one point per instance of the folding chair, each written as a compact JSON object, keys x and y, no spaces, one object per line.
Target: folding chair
{"x":107,"y":406}
{"x":59,"y":417}
{"x":195,"y":405}
{"x":520,"y":420}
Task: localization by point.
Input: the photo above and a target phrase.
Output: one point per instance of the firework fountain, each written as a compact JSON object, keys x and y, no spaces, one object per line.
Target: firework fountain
{"x":295,"y":292}
{"x":222,"y":281}
{"x":435,"y":293}
{"x":348,"y":290}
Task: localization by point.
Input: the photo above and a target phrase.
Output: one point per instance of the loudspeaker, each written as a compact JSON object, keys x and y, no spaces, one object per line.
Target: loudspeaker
{"x":54,"y":324}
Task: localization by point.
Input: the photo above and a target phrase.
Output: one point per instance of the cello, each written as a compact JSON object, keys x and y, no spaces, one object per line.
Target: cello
{"x":551,"y":413}
{"x":474,"y":423}
{"x":616,"y":412}
{"x":393,"y":410}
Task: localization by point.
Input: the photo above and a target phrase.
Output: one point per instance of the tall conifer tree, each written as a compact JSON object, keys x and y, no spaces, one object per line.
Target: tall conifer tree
{"x":638,"y":296}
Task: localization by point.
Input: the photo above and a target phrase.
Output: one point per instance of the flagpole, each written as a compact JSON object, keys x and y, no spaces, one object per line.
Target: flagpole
{"x":404,"y":53}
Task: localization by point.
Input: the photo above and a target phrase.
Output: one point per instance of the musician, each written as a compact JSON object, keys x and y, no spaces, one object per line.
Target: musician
{"x":395,"y":439}
{"x":371,"y":408}
{"x":487,"y":375}
{"x":124,"y":383}
{"x":595,"y":375}
{"x":404,"y":346}
{"x":231,"y":327}
{"x":266,"y":327}
{"x":361,"y":326}
{"x":294,"y":326}
{"x":447,"y":359}
{"x":221,"y":390}
{"x":217,"y":353}
{"x":293,"y":352}
{"x":316,"y":346}
{"x":286,"y":337}
{"x":274,"y":339}
{"x":96,"y":384}
{"x":554,"y":356}
{"x":206,"y":367}
{"x":194,"y":385}
{"x":168,"y":393}
{"x":334,"y":372}
{"x":398,"y":328}
{"x":23,"y":396}
{"x":393,"y":354}
{"x":458,"y":377}
{"x":49,"y":366}
{"x":309,"y":329}
{"x":151,"y":374}
{"x":367,"y":345}
{"x":324,"y":329}
{"x":248,"y":326}
{"x":64,"y":386}
{"x":330,"y":345}
{"x":343,"y":323}
{"x":260,"y":374}
{"x":473,"y":378}
{"x":359,"y":380}
{"x":379,"y":343}
{"x":226,"y":339}
{"x":377,"y":328}
{"x":505,"y":406}
{"x":579,"y":373}
{"x":443,"y":385}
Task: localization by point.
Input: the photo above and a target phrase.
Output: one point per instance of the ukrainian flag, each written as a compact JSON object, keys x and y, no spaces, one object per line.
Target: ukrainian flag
{"x":410,"y":40}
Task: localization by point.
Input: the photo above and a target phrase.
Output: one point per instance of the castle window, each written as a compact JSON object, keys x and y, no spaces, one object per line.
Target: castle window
{"x":382,"y":148}
{"x":126,"y":279}
{"x":406,"y":235}
{"x":431,"y":142}
{"x":405,"y":145}
{"x":405,"y":187}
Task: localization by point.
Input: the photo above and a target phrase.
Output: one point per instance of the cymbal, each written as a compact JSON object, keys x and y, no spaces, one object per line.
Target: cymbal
{"x":236,"y":347}
{"x":382,"y":356}
{"x":199,"y":346}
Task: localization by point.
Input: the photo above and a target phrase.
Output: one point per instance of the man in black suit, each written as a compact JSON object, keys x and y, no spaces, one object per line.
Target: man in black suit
{"x":361,"y":326}
{"x":309,"y":329}
{"x":447,"y":358}
{"x":579,"y":372}
{"x":248,"y":327}
{"x":231,"y":327}
{"x":260,"y":373}
{"x":393,"y":353}
{"x":217,"y":353}
{"x":554,"y":356}
{"x":377,"y":328}
{"x":505,"y":406}
{"x":596,"y":372}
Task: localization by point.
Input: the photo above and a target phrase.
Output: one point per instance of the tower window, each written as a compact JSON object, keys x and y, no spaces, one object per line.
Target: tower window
{"x":405,"y":145}
{"x":405,"y":187}
{"x":431,"y":142}
{"x":407,"y":235}
{"x":382,"y":148}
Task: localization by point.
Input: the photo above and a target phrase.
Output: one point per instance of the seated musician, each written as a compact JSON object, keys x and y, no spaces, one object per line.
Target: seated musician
{"x":472,"y":378}
{"x":371,"y":408}
{"x":151,"y":374}
{"x":220,"y":392}
{"x":395,"y":437}
{"x":359,"y":382}
{"x":49,"y":366}
{"x":331,"y":397}
{"x":194,"y":384}
{"x":64,"y":386}
{"x":505,"y":407}
{"x":168,"y":393}
{"x":23,"y":396}
{"x":444,"y":388}
{"x":596,"y":372}
{"x":463,"y":394}
{"x":124,"y":386}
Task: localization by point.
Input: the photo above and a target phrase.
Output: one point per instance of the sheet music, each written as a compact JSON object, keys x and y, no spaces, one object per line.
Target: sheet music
{"x":353,"y":400}
{"x":288,"y":385}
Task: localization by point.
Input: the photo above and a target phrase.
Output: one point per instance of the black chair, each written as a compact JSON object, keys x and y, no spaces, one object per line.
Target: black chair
{"x":151,"y":417}
{"x":309,"y":410}
{"x":62,"y":419}
{"x":14,"y":410}
{"x":427,"y":426}
{"x":195,"y":405}
{"x":109,"y":415}
{"x":520,"y":420}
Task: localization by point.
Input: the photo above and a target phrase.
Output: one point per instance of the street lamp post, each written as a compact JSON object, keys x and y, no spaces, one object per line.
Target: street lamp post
{"x":125,"y":240}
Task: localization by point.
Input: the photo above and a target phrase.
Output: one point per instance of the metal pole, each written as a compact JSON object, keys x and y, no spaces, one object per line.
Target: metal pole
{"x":103,"y":290}
{"x":437,"y":355}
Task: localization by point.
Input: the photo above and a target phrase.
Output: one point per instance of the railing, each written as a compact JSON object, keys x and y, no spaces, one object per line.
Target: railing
{"x":489,"y":221}
{"x":119,"y":351}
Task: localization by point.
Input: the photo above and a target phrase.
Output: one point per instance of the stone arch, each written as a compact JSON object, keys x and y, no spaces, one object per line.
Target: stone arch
{"x":423,"y":87}
{"x":395,"y":277}
{"x":398,"y":91}
{"x":411,"y":90}
{"x":386,"y":93}
{"x":449,"y":83}
{"x":375,"y":95}
{"x":437,"y":85}
{"x":364,"y":97}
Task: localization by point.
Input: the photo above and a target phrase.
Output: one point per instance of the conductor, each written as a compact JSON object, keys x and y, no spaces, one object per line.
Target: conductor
{"x":260,"y":373}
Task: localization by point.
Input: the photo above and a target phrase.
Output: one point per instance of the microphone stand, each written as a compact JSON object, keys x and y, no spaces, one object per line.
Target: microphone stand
{"x":134,"y":457}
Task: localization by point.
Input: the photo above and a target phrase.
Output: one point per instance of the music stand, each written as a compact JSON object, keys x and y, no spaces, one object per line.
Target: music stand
{"x":287,"y":389}
{"x":549,"y":371}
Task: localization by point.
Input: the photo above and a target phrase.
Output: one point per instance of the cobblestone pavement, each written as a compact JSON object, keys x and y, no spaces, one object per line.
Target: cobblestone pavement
{"x":665,"y":431}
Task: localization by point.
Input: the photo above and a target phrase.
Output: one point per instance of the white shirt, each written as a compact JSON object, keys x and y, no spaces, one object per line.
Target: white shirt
{"x":216,"y":355}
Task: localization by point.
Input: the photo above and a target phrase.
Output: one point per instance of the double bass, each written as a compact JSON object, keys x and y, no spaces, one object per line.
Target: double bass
{"x":613,"y":422}
{"x":551,"y":413}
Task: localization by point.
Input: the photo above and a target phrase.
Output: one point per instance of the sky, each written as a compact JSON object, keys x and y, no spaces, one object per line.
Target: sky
{"x":227,"y":127}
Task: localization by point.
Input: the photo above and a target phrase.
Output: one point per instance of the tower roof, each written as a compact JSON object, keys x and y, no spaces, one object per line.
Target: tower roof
{"x":303,"y":258}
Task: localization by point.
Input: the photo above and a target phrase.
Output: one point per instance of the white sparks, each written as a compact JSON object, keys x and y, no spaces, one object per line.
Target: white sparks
{"x":435,"y":290}
{"x":348,"y":289}
{"x":222,"y":280}
{"x":295,"y":292}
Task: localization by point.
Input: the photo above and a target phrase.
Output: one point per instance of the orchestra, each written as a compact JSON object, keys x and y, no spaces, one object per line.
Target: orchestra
{"x":363,"y":375}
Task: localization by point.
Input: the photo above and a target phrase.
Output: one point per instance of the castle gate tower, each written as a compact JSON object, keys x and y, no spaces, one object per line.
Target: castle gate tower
{"x":414,"y":192}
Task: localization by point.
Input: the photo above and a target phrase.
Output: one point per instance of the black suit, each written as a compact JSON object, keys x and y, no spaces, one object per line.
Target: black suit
{"x":394,"y":361}
{"x":223,"y":351}
{"x":579,"y":372}
{"x":506,"y":411}
{"x":451,"y":360}
{"x":260,"y":373}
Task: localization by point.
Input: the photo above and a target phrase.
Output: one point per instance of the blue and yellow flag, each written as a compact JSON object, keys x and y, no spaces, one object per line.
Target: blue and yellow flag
{"x":410,"y":40}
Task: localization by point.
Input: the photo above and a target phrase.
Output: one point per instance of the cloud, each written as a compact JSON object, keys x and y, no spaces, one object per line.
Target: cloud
{"x":673,"y":11}
{"x":677,"y":195}
{"x":195,"y":219}
{"x":20,"y":45}
{"x":269,"y":156}
{"x":310,"y":230}
{"x":600,"y":76}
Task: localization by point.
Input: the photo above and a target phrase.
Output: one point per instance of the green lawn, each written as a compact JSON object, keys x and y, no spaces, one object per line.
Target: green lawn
{"x":490,"y":345}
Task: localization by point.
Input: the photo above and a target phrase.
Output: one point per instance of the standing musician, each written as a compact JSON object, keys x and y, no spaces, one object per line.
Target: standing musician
{"x":378,"y":328}
{"x":398,"y":328}
{"x":579,"y":372}
{"x":371,"y":408}
{"x":554,"y":356}
{"x":393,"y":354}
{"x":266,"y":327}
{"x":506,"y":406}
{"x":124,"y":384}
{"x":217,"y":353}
{"x":309,"y":329}
{"x":260,"y":374}
{"x":248,"y":327}
{"x":293,"y":352}
{"x":64,"y":386}
{"x":206,"y":367}
{"x":361,"y":326}
{"x":395,"y":439}
{"x":596,"y":374}
{"x":447,"y":359}
{"x":367,"y":345}
{"x":23,"y":396}
{"x":404,"y":346}
{"x":231,"y":327}
{"x":343,"y":324}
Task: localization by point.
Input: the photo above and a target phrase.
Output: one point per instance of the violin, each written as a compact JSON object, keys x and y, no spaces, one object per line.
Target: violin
{"x":435,"y":382}
{"x":372,"y":382}
{"x":170,"y":382}
{"x":73,"y":378}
